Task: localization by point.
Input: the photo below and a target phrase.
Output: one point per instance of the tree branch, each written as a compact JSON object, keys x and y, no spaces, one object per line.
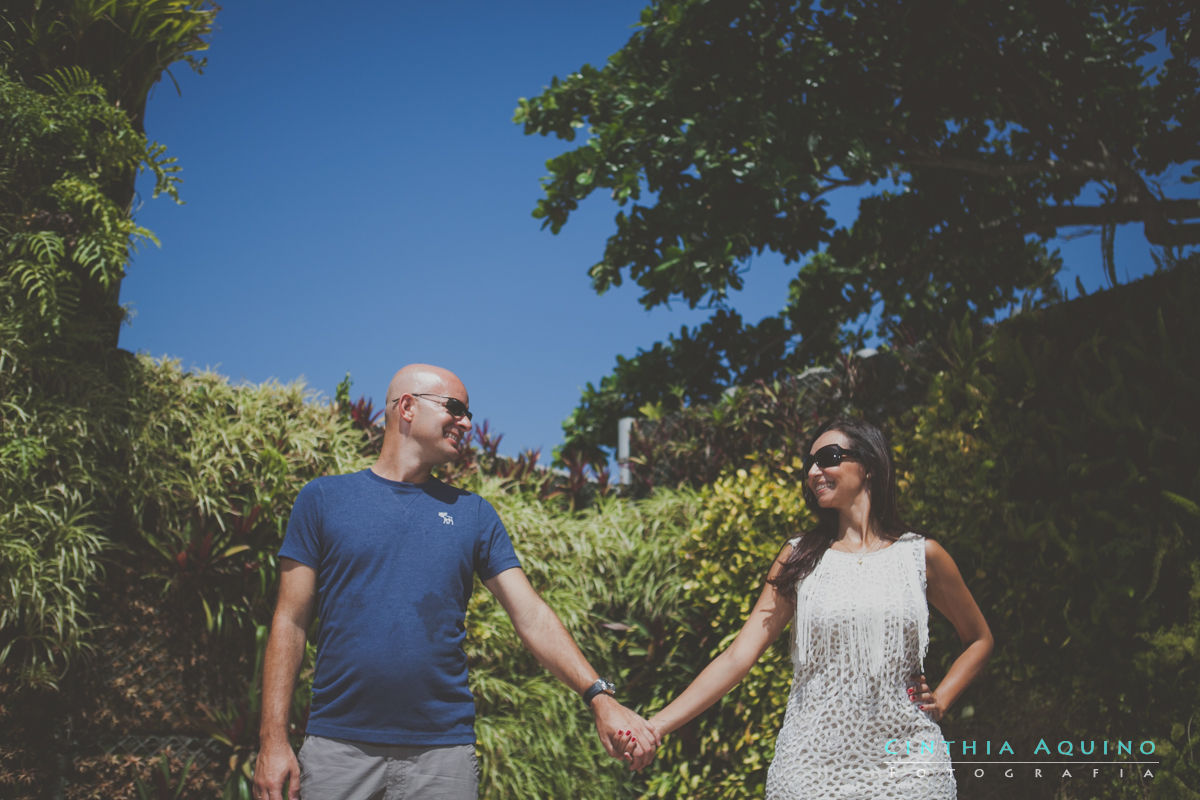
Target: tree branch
{"x":1156,"y":216}
{"x":1091,"y":169}
{"x":1137,"y":203}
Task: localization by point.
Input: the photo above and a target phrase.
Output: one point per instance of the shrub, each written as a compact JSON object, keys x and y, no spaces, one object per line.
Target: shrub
{"x":610,"y":573}
{"x":1058,"y":460}
{"x":62,"y":241}
{"x":696,"y":444}
{"x":1060,"y":464}
{"x":744,"y":520}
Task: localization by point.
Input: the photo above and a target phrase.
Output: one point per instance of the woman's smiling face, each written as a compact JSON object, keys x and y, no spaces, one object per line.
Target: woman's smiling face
{"x":836,"y":486}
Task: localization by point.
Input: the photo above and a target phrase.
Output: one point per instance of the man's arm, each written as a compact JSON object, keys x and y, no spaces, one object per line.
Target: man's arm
{"x":285,"y":650}
{"x":545,"y":636}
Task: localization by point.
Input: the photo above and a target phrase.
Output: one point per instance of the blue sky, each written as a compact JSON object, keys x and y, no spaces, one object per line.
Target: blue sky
{"x":357,"y":198}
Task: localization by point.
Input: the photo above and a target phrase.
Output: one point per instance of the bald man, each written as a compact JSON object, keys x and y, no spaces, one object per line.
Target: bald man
{"x":386,"y":558}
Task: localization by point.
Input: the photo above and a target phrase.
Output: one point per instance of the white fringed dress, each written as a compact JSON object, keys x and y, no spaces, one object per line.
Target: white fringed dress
{"x":859,"y":636}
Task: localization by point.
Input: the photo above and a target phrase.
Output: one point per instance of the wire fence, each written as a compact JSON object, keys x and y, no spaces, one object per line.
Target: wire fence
{"x":202,"y":751}
{"x":150,"y":694}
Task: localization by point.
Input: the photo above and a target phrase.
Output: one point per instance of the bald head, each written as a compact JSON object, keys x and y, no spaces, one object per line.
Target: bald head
{"x":421,"y":378}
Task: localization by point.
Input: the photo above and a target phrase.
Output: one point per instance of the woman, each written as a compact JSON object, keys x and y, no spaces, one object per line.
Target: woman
{"x":856,"y":724}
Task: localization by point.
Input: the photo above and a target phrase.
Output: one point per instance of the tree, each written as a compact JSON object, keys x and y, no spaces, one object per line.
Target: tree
{"x":63,"y":233}
{"x":977,"y":132}
{"x":63,"y":430}
{"x":125,"y":46}
{"x":73,"y":83}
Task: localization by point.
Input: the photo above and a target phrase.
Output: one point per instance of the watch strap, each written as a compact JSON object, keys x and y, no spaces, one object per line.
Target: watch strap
{"x":601,"y":686}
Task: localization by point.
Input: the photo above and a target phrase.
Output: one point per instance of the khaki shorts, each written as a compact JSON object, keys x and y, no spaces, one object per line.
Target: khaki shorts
{"x":336,"y":769}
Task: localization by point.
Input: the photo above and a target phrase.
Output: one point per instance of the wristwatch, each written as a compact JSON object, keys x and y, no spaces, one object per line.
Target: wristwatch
{"x":601,"y":686}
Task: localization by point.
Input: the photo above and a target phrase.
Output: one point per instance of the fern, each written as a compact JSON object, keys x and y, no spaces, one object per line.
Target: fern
{"x":71,"y":81}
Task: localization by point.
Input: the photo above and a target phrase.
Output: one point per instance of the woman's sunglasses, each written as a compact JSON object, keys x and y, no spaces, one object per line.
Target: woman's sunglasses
{"x":454,"y":407}
{"x":829,"y":456}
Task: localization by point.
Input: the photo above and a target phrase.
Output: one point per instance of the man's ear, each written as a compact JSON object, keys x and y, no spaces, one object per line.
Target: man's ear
{"x":404,"y":408}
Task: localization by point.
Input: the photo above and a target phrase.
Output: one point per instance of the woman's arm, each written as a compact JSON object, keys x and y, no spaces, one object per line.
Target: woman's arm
{"x":949,"y":594}
{"x":766,"y":621}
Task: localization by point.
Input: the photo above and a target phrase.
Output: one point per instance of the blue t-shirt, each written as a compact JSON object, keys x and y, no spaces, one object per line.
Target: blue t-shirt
{"x":395,"y":565}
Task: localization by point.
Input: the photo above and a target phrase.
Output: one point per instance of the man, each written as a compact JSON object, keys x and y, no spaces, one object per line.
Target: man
{"x":386,"y":558}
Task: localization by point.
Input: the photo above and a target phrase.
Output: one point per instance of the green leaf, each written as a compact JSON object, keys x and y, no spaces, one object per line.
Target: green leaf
{"x":1179,"y":501}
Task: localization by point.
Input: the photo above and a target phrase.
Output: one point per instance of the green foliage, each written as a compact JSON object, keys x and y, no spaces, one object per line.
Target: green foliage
{"x":1176,"y":650}
{"x":211,"y":476}
{"x":49,"y":548}
{"x":184,"y":466}
{"x":610,"y":572}
{"x":767,"y":419}
{"x":694,"y":367}
{"x":235,"y":725}
{"x":687,"y":432}
{"x":745,"y":518}
{"x":64,"y":235}
{"x":54,"y":489}
{"x":212,"y":472}
{"x":954,"y":112}
{"x":179,"y":479}
{"x":1055,"y":460}
{"x":73,"y":145}
{"x":68,"y":158}
{"x":162,"y":784}
{"x":1058,"y":461}
{"x":973,"y":132}
{"x":126,"y":45}
{"x":575,"y":486}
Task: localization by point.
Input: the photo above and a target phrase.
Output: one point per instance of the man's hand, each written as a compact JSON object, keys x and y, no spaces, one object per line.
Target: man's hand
{"x":276,"y":765}
{"x":623,"y":733}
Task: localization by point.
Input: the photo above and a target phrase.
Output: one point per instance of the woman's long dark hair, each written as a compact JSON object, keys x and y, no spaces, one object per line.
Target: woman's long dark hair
{"x":875,"y":456}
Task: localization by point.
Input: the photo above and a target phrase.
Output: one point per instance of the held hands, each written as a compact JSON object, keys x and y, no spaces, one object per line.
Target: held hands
{"x":624,"y":734}
{"x":920,"y":693}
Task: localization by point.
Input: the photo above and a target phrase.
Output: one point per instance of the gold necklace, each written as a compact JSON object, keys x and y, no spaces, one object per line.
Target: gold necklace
{"x":864,"y":553}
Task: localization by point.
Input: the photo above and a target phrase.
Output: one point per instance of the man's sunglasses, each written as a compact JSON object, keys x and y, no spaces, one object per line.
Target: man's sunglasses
{"x":829,"y":456}
{"x":454,"y":407}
